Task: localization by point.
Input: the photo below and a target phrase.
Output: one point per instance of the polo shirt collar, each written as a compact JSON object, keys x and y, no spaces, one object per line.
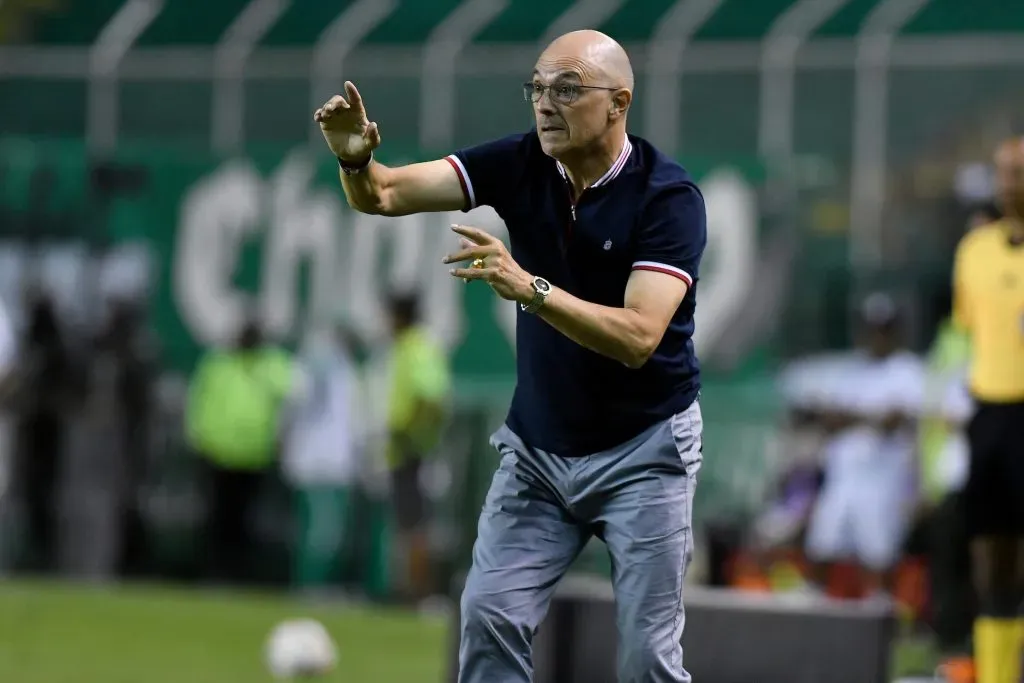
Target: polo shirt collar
{"x":612,"y":172}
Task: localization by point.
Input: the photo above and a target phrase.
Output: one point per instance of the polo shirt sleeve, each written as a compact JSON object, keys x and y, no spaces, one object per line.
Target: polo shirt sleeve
{"x":673,"y":233}
{"x":487,"y":172}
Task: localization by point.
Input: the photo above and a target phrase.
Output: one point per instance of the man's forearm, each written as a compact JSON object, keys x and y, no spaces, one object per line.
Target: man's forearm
{"x":618,"y":333}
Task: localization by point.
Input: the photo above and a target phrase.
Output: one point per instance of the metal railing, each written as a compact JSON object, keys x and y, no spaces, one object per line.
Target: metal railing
{"x":764,"y":84}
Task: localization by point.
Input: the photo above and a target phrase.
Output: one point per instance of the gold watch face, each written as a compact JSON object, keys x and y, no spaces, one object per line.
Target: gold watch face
{"x":541,"y":285}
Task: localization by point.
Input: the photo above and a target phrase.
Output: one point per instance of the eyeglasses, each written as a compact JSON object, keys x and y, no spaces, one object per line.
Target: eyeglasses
{"x":562,"y":93}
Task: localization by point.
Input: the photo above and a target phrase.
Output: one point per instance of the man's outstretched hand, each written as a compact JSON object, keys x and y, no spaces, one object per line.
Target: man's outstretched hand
{"x":497,"y":267}
{"x":349,"y":134}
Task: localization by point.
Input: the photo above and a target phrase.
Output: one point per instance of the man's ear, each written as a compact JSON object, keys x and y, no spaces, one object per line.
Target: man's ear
{"x":620,"y":102}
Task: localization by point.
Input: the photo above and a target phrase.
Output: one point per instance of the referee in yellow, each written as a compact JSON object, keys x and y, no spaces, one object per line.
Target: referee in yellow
{"x":988,"y":287}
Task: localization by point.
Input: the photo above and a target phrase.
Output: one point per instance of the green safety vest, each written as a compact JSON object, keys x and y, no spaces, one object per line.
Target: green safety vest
{"x":234,"y":405}
{"x":419,"y":372}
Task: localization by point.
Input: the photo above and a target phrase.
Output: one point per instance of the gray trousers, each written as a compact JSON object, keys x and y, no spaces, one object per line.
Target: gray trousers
{"x":539,"y":513}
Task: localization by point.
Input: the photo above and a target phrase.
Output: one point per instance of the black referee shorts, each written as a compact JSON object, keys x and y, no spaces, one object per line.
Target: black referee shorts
{"x":994,"y":494}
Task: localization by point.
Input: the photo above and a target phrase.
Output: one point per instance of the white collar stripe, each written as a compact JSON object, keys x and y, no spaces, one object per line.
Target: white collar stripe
{"x":617,"y":166}
{"x":612,"y":172}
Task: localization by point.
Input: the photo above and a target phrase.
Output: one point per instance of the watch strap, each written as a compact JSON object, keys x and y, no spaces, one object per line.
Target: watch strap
{"x":352,"y":169}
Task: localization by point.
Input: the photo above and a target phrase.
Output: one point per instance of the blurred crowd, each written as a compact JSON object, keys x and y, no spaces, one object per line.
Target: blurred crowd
{"x":868,"y":502}
{"x":77,"y":443}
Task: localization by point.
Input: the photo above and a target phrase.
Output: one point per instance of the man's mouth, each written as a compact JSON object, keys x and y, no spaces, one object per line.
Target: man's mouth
{"x":549,"y":128}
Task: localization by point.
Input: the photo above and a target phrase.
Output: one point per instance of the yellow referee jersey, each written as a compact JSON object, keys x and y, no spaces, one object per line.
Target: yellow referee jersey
{"x":988,"y":303}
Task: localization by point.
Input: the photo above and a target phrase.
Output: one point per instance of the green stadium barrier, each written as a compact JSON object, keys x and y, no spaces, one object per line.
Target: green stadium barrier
{"x":194,"y":22}
{"x":718,"y":115}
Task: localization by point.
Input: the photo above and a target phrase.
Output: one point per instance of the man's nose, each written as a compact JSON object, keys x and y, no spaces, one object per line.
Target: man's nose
{"x":546,"y":106}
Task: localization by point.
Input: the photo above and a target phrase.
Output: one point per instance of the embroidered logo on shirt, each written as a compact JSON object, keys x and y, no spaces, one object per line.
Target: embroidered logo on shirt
{"x":607,"y":245}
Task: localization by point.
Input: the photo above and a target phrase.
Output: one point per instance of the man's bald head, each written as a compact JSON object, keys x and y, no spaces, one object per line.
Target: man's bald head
{"x":589,"y":86}
{"x":596,"y":53}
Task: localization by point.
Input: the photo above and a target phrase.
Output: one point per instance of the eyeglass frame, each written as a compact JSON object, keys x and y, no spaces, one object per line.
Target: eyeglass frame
{"x":530,"y":89}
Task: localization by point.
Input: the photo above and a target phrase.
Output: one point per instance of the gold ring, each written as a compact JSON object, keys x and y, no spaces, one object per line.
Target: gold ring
{"x":477,"y":263}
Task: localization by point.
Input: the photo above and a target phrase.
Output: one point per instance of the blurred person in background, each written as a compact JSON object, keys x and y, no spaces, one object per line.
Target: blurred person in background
{"x":47,"y":390}
{"x":135,"y":349}
{"x":420,"y":385}
{"x":8,"y":380}
{"x":109,"y":449}
{"x":232,"y":417}
{"x":321,"y":445}
{"x":944,"y":457}
{"x":863,"y":509}
{"x":988,"y":304}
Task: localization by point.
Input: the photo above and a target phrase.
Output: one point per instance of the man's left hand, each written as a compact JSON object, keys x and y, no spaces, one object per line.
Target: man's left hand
{"x":498,"y":269}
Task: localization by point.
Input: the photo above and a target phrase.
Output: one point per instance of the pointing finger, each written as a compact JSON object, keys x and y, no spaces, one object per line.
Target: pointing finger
{"x":475,"y":234}
{"x":353,"y":95}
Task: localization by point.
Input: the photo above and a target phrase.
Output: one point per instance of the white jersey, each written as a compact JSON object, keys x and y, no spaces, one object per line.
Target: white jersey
{"x":874,"y":389}
{"x":816,"y":382}
{"x":869,"y":474}
{"x":323,"y":430}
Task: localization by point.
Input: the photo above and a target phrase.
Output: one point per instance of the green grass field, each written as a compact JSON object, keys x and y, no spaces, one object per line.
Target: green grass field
{"x":56,"y":633}
{"x":59,"y":633}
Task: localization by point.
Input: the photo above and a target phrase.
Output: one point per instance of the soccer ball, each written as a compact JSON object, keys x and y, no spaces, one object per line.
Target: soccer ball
{"x":300,"y":648}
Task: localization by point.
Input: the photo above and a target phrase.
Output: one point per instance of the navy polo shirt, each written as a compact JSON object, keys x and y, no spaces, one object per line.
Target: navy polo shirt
{"x":646,"y":213}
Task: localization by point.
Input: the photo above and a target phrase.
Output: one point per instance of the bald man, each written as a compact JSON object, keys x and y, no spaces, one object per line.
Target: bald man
{"x":988,"y":303}
{"x":603,"y":437}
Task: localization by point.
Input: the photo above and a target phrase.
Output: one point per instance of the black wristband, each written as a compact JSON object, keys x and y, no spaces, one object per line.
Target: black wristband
{"x":349,"y":169}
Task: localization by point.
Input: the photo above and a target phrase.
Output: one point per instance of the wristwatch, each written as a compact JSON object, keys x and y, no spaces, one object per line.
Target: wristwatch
{"x":541,"y":290}
{"x":352,"y":169}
